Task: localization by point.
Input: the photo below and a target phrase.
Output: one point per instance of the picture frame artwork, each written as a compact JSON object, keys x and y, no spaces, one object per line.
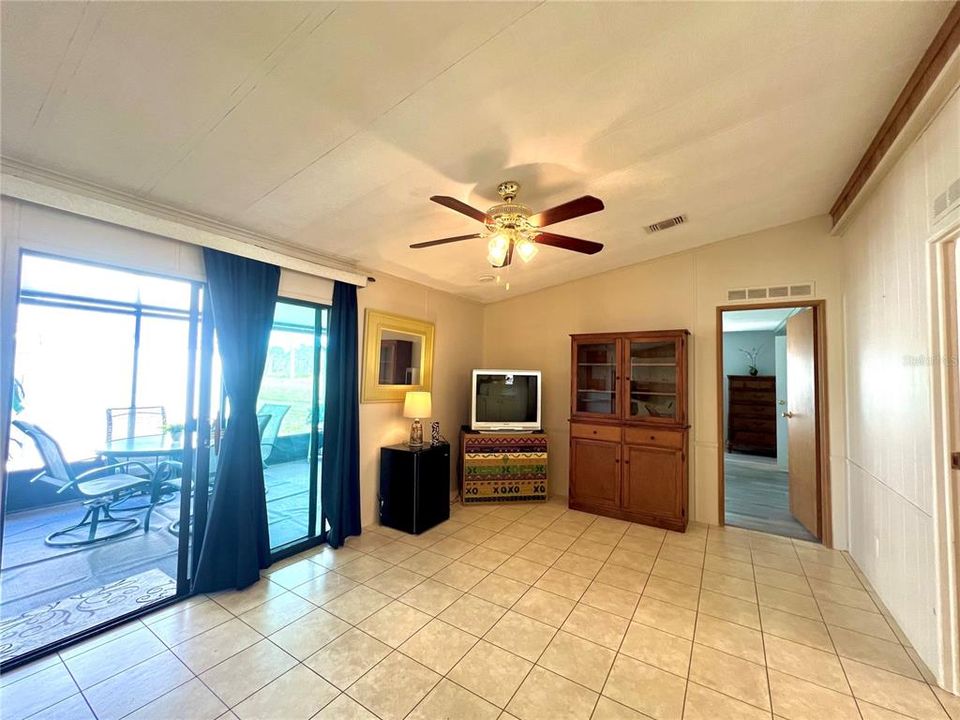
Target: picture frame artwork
{"x":397,"y":356}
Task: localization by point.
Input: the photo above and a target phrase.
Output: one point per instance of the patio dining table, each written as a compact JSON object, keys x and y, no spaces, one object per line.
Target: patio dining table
{"x":159,"y":446}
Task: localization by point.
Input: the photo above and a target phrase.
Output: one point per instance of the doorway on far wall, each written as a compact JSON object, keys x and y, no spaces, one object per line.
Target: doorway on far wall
{"x":770,"y":414}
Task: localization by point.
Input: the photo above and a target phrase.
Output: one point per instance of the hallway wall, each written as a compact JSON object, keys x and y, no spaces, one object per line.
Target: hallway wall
{"x":890,"y":420}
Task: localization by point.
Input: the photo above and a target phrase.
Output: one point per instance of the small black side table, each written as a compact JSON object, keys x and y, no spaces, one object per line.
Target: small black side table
{"x":414,"y":487}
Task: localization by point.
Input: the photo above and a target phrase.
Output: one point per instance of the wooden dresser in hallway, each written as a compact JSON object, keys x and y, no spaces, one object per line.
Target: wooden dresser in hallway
{"x":752,"y":414}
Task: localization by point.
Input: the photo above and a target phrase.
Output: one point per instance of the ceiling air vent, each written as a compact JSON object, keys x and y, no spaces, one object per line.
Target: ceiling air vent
{"x":940,"y":204}
{"x":774,"y":292}
{"x":946,"y":201}
{"x":666,"y":224}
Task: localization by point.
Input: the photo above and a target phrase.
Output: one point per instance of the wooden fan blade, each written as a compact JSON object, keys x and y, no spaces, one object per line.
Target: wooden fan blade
{"x":444,"y":241}
{"x":460,"y":207}
{"x":569,"y":210}
{"x":588,"y":247}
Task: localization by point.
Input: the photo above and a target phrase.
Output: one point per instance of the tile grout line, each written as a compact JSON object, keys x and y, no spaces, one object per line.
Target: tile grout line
{"x":555,"y":629}
{"x":76,"y":685}
{"x":868,"y":587}
{"x":617,"y":653}
{"x":177,"y":686}
{"x":233,"y":617}
{"x":763,"y":632}
{"x":397,"y":649}
{"x":763,"y":639}
{"x":696,"y":624}
{"x":510,"y":699}
{"x":833,"y":644}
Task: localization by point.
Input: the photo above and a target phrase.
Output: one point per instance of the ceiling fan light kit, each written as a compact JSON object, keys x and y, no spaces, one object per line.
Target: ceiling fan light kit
{"x":526,"y":249}
{"x":512,"y":228}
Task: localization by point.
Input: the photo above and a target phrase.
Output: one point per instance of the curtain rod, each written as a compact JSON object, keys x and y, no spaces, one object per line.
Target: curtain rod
{"x":40,"y":187}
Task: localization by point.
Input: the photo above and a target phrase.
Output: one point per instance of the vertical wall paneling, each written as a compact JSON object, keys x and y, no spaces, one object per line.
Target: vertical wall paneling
{"x":891,"y":360}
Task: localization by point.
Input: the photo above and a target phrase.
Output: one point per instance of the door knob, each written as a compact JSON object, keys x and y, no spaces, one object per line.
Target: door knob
{"x":787,"y":414}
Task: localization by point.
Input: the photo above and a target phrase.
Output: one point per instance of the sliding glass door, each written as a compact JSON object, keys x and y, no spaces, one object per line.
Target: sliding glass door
{"x":290,"y":414}
{"x":104,"y":374}
{"x":290,"y":410}
{"x":117,"y":416}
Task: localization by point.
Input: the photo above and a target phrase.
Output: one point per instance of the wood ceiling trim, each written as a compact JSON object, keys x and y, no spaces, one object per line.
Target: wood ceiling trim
{"x":944,"y":44}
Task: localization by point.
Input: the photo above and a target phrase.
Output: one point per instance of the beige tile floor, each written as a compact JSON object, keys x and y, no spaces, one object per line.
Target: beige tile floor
{"x":509,"y":611}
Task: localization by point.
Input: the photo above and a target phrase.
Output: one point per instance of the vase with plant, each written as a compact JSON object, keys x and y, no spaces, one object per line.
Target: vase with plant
{"x":753,"y":355}
{"x":175,"y":431}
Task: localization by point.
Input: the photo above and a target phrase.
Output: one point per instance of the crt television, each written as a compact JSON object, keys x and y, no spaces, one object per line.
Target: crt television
{"x":506,"y":400}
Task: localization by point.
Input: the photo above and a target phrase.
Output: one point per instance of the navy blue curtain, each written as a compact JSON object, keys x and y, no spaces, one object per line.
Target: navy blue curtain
{"x":236,"y":544}
{"x":340,"y":473}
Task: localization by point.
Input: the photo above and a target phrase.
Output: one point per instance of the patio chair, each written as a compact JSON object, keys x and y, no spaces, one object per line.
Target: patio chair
{"x":174,"y":527}
{"x":135,"y":421}
{"x":268,"y":434}
{"x":100,"y":493}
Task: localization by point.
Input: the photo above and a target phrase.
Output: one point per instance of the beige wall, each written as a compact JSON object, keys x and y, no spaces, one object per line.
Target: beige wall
{"x":457,"y":350}
{"x":891,"y":415}
{"x":680,"y":291}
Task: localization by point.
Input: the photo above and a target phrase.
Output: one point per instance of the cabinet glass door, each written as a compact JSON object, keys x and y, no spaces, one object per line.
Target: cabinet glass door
{"x":596,"y":386}
{"x":652,"y":367}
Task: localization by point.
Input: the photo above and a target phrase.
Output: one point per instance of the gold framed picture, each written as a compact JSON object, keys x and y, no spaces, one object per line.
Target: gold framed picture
{"x":397,"y":356}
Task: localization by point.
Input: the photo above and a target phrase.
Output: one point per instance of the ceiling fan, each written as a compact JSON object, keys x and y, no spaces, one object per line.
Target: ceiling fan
{"x":512,"y":227}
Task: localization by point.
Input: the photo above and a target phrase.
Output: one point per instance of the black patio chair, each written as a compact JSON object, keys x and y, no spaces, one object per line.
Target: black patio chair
{"x":176,"y":468}
{"x":100,"y":492}
{"x":271,"y":429}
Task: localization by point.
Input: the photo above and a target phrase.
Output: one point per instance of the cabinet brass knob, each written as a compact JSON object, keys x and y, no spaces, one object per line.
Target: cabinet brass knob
{"x":787,"y":414}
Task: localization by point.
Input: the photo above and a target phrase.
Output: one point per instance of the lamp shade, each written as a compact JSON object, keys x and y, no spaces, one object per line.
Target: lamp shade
{"x":417,"y":405}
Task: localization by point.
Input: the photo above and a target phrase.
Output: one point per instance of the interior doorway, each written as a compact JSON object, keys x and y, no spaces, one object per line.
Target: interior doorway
{"x":772,"y":418}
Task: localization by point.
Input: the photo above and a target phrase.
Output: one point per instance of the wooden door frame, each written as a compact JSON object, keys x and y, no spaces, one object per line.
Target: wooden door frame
{"x":945,"y":390}
{"x":824,"y":504}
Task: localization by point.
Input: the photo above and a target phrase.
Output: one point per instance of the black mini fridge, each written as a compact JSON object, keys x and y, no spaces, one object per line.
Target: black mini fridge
{"x":414,"y":487}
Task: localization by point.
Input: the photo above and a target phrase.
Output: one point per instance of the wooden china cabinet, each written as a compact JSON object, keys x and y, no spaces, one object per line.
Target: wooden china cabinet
{"x":628,"y":426}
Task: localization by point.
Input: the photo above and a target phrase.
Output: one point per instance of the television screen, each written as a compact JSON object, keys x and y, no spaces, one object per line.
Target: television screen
{"x":507,"y":398}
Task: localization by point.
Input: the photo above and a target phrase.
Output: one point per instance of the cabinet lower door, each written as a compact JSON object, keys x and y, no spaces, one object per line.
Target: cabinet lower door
{"x":652,"y":481}
{"x":595,"y":472}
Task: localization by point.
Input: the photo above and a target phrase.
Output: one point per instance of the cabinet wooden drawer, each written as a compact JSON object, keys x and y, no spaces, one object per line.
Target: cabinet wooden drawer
{"x":645,"y":436}
{"x":765,"y":411}
{"x":764,"y":383}
{"x":751,"y":424}
{"x":751,"y":396}
{"x":595,"y":432}
{"x":757,"y":438}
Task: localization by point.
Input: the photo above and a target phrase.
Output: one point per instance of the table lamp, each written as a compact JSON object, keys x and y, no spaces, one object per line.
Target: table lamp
{"x":416,"y":405}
